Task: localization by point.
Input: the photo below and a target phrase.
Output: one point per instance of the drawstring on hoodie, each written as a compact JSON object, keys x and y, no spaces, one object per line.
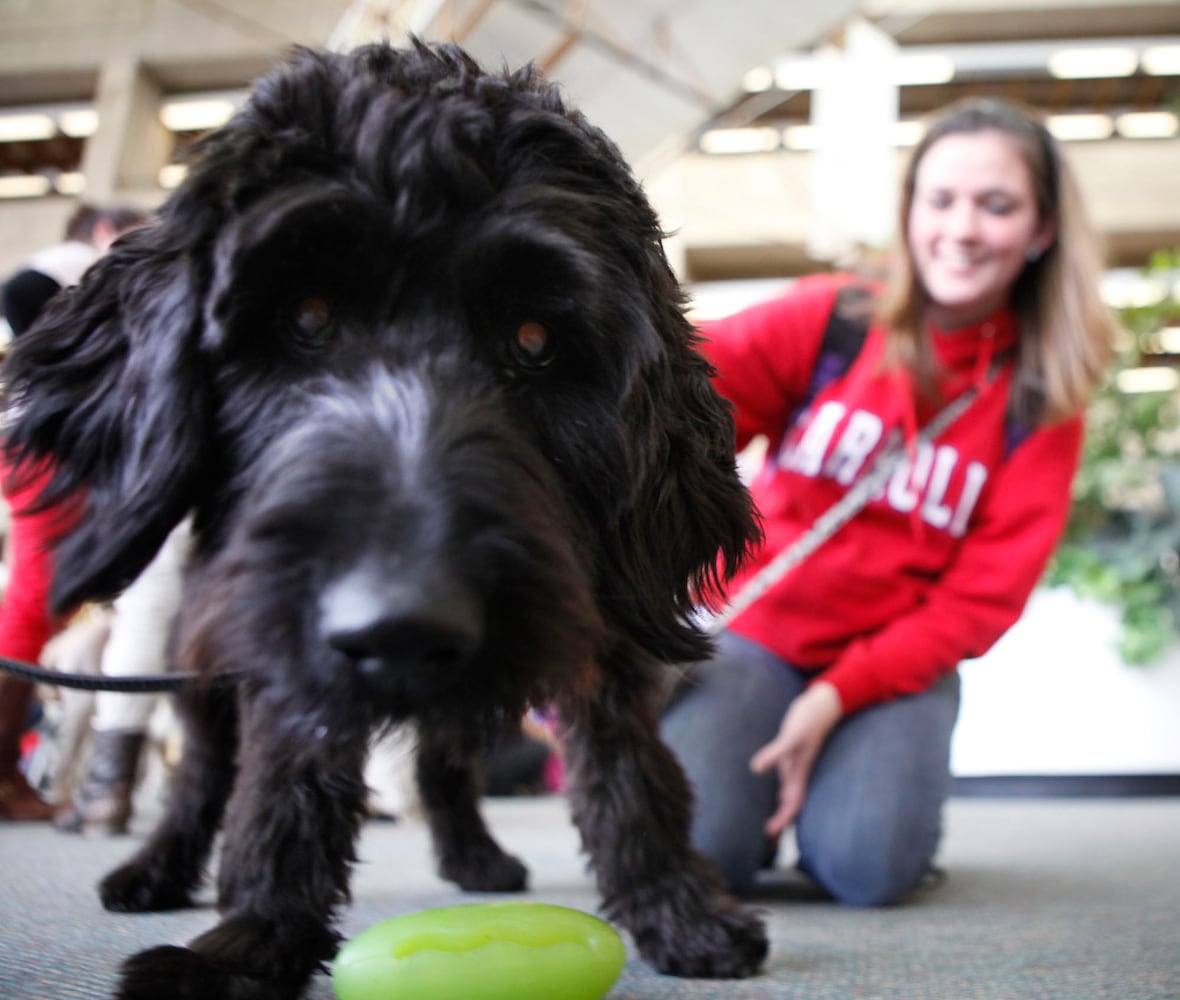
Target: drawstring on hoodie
{"x":902,"y":385}
{"x":983,"y":360}
{"x":984,"y":371}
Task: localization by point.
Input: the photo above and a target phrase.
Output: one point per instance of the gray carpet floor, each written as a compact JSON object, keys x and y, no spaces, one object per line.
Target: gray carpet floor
{"x":1048,"y":899}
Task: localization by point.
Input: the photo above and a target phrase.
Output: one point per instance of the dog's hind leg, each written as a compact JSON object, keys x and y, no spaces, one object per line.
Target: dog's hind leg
{"x":632,"y":804}
{"x":468,"y":855}
{"x":165,"y":871}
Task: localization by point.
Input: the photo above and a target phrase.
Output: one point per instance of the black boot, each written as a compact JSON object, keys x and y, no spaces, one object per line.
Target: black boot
{"x":19,"y":801}
{"x":103,"y":802}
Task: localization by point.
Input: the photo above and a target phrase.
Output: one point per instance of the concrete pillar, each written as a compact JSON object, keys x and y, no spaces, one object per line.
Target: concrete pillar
{"x":124,"y":156}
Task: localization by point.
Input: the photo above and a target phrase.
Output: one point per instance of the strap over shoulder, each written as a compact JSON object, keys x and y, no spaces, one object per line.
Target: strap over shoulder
{"x":843,"y":338}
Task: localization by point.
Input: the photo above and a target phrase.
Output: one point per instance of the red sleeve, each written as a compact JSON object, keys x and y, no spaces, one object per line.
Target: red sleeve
{"x":764,"y":355}
{"x":984,"y":591}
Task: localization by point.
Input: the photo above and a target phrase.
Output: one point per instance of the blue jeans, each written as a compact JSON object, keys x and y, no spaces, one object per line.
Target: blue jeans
{"x":872,"y":818}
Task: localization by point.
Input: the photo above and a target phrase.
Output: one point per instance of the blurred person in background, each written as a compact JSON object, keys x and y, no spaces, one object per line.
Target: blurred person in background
{"x":25,"y":620}
{"x":89,"y":232}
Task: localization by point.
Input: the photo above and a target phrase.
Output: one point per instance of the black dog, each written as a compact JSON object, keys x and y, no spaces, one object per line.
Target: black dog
{"x":407,"y":345}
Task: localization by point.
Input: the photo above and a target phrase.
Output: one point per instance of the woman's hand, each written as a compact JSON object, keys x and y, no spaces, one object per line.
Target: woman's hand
{"x":805,"y":727}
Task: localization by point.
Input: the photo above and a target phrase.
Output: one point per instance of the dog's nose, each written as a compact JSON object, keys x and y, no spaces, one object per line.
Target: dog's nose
{"x":407,"y":637}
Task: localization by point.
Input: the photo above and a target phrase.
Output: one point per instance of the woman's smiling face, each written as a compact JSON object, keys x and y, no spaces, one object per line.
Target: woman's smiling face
{"x":972,"y":223}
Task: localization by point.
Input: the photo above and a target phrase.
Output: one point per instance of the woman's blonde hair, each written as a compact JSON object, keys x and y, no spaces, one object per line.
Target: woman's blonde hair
{"x":1066,"y":330}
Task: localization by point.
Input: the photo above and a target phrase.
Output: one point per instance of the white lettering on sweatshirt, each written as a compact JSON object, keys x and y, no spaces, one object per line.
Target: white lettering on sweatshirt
{"x":922,"y":481}
{"x":807,"y":457}
{"x":857,"y":442}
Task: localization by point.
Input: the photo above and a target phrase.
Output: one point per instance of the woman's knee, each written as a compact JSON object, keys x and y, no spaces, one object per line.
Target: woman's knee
{"x":872,"y":821}
{"x":875,"y":850}
{"x":867,"y":875}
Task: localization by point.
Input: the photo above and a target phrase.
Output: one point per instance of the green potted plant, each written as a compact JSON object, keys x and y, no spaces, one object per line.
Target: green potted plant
{"x":1122,"y":543}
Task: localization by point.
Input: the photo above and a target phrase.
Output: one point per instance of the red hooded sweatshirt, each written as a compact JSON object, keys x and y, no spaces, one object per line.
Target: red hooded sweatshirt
{"x":935,"y":569}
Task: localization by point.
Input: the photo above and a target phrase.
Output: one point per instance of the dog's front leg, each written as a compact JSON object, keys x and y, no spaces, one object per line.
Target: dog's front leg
{"x":468,"y":855}
{"x":632,"y":804}
{"x":290,"y":832}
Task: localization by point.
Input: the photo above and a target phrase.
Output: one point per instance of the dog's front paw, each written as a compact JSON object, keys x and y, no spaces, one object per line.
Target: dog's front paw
{"x":242,"y":958}
{"x":171,"y":973}
{"x":140,"y":888}
{"x":487,"y":870}
{"x":687,"y":926}
{"x":725,"y":943}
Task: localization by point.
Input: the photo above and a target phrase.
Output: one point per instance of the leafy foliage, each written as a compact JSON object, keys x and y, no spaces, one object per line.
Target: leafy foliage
{"x":1122,"y":543}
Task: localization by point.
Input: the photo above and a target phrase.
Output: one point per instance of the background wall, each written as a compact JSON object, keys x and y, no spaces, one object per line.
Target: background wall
{"x":1052,"y":697}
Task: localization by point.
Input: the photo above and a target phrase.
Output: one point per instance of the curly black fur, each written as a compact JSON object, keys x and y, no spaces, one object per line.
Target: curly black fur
{"x":407,"y":345}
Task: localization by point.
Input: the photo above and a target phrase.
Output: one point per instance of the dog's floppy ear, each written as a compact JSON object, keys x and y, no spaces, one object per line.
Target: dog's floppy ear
{"x":692,"y":520}
{"x":106,"y":387}
{"x":687,"y":521}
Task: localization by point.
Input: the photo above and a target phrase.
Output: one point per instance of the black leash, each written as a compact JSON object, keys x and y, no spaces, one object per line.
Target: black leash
{"x":94,"y":682}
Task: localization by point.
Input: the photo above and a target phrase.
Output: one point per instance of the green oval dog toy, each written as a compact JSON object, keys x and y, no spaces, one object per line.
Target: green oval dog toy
{"x":482,"y":951}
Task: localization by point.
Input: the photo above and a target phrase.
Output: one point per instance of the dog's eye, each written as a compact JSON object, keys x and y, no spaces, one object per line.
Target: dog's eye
{"x":312,"y":322}
{"x":533,"y":346}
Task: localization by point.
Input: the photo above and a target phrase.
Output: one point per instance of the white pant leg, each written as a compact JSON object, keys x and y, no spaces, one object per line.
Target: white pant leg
{"x":77,"y":649}
{"x":142,"y":624}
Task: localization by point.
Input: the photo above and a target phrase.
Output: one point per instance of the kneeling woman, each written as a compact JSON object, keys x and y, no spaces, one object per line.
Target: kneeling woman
{"x":831,"y":701}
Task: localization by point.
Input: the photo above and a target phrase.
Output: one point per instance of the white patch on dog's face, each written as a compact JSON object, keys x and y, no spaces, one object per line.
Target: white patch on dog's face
{"x":404,"y":404}
{"x":399,"y":405}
